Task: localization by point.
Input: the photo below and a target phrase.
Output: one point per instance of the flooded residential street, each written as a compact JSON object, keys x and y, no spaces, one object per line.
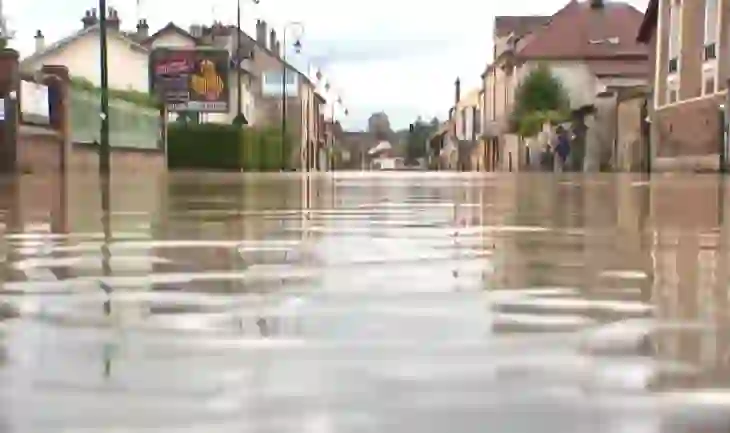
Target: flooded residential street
{"x":366,"y":302}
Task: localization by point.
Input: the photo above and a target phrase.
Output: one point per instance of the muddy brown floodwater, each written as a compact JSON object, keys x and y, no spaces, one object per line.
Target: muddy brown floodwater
{"x":376,"y":302}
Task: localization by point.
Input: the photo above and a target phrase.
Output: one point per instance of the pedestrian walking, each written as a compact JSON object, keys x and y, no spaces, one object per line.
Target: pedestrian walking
{"x":562,"y":149}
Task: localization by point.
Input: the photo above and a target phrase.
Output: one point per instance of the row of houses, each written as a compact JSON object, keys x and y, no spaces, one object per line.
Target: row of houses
{"x":261,"y":60}
{"x":645,"y":89}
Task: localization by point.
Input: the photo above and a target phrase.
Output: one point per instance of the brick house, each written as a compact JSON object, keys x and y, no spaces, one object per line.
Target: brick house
{"x":590,"y":46}
{"x":689,"y":46}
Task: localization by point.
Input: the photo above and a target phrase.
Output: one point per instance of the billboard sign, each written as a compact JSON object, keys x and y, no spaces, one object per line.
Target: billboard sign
{"x":191,"y":79}
{"x":271,"y":84}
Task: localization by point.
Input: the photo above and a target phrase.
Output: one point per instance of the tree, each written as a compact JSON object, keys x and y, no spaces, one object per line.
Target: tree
{"x":539,"y":98}
{"x":418,"y":137}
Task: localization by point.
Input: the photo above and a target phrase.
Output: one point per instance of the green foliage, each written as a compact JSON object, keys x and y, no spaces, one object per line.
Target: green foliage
{"x":133,"y":96}
{"x":418,"y":139}
{"x":226,"y":147}
{"x":539,"y":98}
{"x":262,"y":150}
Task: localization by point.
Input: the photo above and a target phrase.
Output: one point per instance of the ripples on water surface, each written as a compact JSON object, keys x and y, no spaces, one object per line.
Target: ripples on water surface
{"x":378,"y":303}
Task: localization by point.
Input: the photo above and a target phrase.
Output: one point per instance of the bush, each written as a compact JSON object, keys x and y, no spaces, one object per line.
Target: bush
{"x":203,"y":146}
{"x":225,"y":147}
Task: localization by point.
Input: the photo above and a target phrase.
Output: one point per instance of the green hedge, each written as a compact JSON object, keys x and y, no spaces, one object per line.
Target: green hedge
{"x":225,"y":147}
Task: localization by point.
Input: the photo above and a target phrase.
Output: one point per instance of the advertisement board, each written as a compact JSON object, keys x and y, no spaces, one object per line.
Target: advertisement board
{"x":271,"y":84}
{"x":34,"y":105}
{"x":191,"y":79}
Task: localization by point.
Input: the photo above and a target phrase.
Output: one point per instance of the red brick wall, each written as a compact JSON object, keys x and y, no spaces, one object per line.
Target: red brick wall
{"x":39,"y":150}
{"x":85,"y":158}
{"x":46,"y":149}
{"x":689,"y":128}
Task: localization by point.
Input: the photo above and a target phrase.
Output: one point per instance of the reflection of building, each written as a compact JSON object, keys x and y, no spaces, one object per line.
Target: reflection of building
{"x":690,"y":282}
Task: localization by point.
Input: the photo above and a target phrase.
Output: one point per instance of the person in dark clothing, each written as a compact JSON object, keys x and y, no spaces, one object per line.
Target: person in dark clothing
{"x":562,"y":148}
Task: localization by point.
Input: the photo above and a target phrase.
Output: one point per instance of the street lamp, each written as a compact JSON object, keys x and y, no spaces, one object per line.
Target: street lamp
{"x":240,"y":119}
{"x":104,"y":152}
{"x":298,"y":49}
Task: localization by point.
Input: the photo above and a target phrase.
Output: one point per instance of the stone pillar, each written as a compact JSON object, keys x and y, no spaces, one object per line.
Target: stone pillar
{"x":9,"y":125}
{"x":591,"y":161}
{"x":57,"y":79}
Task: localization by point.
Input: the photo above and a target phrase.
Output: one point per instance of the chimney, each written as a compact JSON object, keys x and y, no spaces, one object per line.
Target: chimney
{"x":277,"y":49}
{"x":596,"y":4}
{"x":196,"y":30}
{"x":89,"y":19}
{"x":143,"y":30}
{"x":457,"y":88}
{"x":272,"y":40}
{"x":261,"y":32}
{"x":112,"y":19}
{"x":40,"y":41}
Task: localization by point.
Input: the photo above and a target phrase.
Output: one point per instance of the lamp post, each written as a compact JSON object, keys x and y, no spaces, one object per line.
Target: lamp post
{"x":104,"y":152}
{"x":240,"y":119}
{"x":298,"y":49}
{"x":104,"y":156}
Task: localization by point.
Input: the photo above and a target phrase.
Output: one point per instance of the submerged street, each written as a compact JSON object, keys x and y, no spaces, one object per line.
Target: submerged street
{"x":366,"y":302}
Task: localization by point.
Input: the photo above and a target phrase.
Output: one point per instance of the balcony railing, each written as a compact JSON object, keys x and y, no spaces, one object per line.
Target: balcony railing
{"x":710,"y":52}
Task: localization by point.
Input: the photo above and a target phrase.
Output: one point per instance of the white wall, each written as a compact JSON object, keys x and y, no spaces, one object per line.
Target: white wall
{"x":578,"y":80}
{"x":127,"y":65}
{"x":173,"y":40}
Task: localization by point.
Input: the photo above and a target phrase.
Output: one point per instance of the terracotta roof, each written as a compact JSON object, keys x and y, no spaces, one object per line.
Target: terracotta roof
{"x":649,"y":23}
{"x":581,"y":31}
{"x":519,"y":25}
{"x":620,"y":68}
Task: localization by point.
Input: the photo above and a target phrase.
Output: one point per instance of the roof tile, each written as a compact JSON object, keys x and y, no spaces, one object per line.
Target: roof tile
{"x":580,"y":31}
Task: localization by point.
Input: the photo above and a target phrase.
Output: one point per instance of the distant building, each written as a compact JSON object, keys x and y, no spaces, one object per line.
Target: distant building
{"x":589,"y":45}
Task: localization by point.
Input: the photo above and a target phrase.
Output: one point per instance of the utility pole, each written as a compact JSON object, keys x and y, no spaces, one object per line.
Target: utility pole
{"x":284,"y":67}
{"x":240,"y":119}
{"x":104,"y":151}
{"x":283,"y":104}
{"x":5,"y":34}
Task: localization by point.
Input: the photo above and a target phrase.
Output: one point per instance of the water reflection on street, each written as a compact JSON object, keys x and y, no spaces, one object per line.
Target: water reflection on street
{"x":388,"y":302}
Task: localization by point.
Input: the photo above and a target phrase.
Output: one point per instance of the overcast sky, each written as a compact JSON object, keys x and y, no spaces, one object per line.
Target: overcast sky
{"x":401,"y":57}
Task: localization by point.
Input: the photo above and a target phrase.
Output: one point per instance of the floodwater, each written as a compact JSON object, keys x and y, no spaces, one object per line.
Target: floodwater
{"x":378,"y":302}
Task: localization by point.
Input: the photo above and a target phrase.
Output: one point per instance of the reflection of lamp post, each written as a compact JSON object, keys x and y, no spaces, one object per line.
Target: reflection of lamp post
{"x":298,"y":49}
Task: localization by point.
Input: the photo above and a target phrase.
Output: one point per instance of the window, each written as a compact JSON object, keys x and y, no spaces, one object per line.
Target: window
{"x":712,"y":16}
{"x":477,"y":121}
{"x":708,"y":77}
{"x":463,"y":124}
{"x":675,"y":37}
